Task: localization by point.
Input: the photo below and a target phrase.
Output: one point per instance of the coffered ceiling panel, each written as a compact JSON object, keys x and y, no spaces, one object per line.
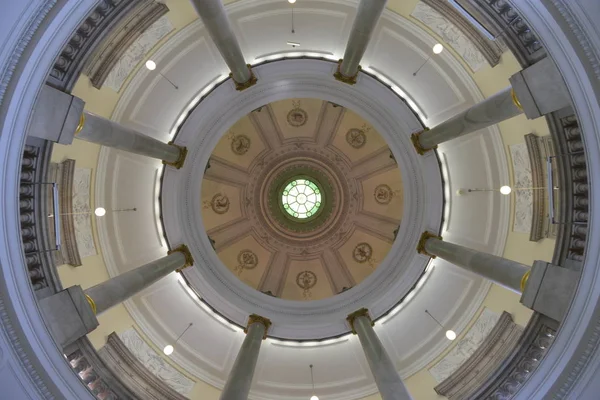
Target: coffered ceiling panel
{"x":241,"y":144}
{"x":220,"y":203}
{"x":247,"y":259}
{"x":356,"y":138}
{"x":383,"y":194}
{"x":362,"y":252}
{"x":306,"y":280}
{"x":290,"y":117}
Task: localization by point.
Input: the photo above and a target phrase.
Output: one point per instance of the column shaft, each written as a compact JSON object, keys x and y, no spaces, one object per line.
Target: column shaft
{"x":367,"y":15}
{"x":507,"y":273}
{"x":214,"y":17}
{"x":386,"y":377}
{"x":495,"y":109}
{"x":240,"y":378}
{"x":118,"y":289}
{"x":96,"y":129}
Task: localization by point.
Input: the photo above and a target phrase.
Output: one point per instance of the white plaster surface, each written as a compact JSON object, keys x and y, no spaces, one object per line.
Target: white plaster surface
{"x":450,"y":34}
{"x":466,"y":346}
{"x":137,"y":52}
{"x":155,"y":363}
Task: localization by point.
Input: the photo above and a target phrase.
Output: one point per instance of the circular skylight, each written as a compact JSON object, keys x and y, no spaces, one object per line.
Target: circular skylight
{"x":301,"y":198}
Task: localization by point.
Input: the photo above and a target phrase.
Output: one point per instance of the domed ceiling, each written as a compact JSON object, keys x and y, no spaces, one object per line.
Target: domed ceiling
{"x":301,"y":199}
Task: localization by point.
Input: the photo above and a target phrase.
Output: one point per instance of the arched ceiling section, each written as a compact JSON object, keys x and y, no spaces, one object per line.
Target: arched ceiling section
{"x":152,"y":106}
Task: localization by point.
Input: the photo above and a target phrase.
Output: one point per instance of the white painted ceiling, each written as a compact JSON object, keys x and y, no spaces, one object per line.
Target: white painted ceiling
{"x":151,"y":105}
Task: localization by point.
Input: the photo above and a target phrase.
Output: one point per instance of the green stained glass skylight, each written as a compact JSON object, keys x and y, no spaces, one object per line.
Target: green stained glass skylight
{"x":301,"y":198}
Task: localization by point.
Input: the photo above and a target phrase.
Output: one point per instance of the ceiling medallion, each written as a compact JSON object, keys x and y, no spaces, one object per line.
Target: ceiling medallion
{"x":246,"y":260}
{"x":306,"y":280}
{"x":219,"y":203}
{"x":240,"y":144}
{"x":357,"y":138}
{"x":362,"y":252}
{"x":297,"y":117}
{"x":383,"y":194}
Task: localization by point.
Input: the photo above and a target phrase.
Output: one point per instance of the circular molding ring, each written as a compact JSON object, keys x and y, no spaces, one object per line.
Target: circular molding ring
{"x":397,"y":273}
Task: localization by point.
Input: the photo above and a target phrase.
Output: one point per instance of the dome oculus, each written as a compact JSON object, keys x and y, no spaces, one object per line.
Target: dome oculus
{"x":301,"y":198}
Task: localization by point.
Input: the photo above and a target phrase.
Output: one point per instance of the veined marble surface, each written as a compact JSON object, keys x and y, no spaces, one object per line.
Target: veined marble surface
{"x":137,"y":52}
{"x":450,"y":34}
{"x":155,"y":363}
{"x":522,"y":179}
{"x":81,"y":204}
{"x":466,"y":346}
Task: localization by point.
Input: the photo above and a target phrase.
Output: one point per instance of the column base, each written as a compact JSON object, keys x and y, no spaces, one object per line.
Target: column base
{"x":182,"y":155}
{"x":350,"y":80}
{"x":421,"y":245}
{"x":189,"y":260}
{"x":415,"y":141}
{"x":245,"y":85}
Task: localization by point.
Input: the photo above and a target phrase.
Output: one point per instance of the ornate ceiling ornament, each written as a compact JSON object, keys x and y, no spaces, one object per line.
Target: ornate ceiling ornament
{"x":219,"y":203}
{"x":357,"y":138}
{"x":240,"y":144}
{"x":297,"y":117}
{"x":247,"y":259}
{"x":362,"y":253}
{"x":306,"y":280}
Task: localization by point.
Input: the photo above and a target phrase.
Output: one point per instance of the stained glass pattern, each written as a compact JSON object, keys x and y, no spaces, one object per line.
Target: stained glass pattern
{"x":301,"y":198}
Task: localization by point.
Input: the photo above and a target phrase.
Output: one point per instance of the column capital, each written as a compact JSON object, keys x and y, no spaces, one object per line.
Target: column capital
{"x":421,"y":245}
{"x":415,"y":141}
{"x":363,"y":312}
{"x":257,"y":318}
{"x":92,"y":304}
{"x":350,"y":80}
{"x":81,"y":124}
{"x":515,"y":99}
{"x":189,"y":260}
{"x":182,"y":155}
{"x":245,"y":85}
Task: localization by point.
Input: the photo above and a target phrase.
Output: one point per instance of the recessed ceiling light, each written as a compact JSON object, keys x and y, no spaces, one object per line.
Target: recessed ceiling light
{"x":151,"y":65}
{"x":437,"y":48}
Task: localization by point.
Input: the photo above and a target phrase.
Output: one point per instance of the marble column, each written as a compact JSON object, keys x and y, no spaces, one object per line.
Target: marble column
{"x":96,"y":129}
{"x":367,"y":15}
{"x":241,"y":375}
{"x":213,"y":15}
{"x":383,"y":369}
{"x":118,"y":289}
{"x":494,"y":109}
{"x":509,"y":274}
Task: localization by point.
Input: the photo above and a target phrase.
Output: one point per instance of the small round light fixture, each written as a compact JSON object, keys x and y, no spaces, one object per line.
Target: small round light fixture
{"x":292,"y":2}
{"x":437,"y":48}
{"x":168,"y":350}
{"x":151,"y":65}
{"x":505,"y":190}
{"x":314,"y":398}
{"x":100,"y":211}
{"x":451,"y":335}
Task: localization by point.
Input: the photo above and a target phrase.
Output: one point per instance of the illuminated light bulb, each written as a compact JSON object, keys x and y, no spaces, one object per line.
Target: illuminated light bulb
{"x":505,"y":190}
{"x":100,"y":211}
{"x":151,"y":65}
{"x":451,"y":335}
{"x":292,"y":2}
{"x":168,"y":350}
{"x":313,"y":397}
{"x":437,"y":48}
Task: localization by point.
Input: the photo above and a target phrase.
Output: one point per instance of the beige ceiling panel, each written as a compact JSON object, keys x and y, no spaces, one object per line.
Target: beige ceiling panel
{"x":383,"y":194}
{"x":247,"y":259}
{"x":311,"y":275}
{"x":356,"y":138}
{"x":241,"y":144}
{"x":220,"y":204}
{"x":360,"y":259}
{"x":297,"y":117}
